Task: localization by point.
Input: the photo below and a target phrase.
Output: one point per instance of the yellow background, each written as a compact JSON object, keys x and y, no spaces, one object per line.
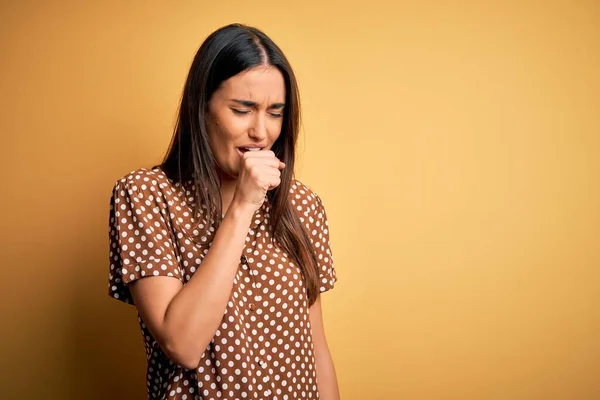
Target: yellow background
{"x":456,"y":146}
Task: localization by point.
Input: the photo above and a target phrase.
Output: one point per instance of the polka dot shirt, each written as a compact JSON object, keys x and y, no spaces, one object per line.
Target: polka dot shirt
{"x":263,"y":347}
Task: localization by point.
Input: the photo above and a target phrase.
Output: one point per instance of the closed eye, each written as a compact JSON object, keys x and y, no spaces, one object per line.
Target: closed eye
{"x":244,"y":112}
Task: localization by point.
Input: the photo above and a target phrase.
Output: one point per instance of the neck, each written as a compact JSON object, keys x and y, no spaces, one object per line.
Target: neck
{"x":228,"y":185}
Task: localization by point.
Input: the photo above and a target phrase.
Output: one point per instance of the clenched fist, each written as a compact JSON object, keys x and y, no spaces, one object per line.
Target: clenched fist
{"x":260,"y":172}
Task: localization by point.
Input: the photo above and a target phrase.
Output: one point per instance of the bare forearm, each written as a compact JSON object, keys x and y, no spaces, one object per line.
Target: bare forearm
{"x":326,"y":377}
{"x":194,"y":314}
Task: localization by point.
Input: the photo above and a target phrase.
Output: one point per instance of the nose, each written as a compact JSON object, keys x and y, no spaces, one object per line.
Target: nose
{"x":258,"y":130}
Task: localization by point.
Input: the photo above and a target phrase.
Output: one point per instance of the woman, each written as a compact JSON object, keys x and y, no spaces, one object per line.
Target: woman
{"x":235,"y":251}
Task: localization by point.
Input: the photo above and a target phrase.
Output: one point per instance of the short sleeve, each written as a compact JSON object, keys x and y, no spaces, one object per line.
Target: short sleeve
{"x":320,"y":239}
{"x":139,"y":237}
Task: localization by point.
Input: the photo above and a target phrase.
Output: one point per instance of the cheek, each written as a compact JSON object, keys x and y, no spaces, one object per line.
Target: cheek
{"x":228,"y":130}
{"x":274,"y":127}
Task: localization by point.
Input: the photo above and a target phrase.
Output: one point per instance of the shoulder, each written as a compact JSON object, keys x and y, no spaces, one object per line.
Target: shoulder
{"x":144,"y":179}
{"x":301,"y":191}
{"x":305,"y":199}
{"x":148,"y":187}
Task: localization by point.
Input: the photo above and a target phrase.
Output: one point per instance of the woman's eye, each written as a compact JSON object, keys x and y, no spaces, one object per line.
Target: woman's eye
{"x":244,"y":112}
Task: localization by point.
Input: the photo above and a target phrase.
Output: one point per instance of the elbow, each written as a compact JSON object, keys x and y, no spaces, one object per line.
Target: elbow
{"x":185,"y":345}
{"x":184,"y":356}
{"x":190,"y":363}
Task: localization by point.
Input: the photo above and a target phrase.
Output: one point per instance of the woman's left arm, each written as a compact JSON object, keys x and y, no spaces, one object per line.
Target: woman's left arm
{"x":326,"y":378}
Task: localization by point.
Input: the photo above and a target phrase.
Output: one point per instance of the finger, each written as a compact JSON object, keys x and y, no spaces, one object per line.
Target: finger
{"x":259,"y":154}
{"x":273,"y":173}
{"x":274,"y":182}
{"x":273,"y":162}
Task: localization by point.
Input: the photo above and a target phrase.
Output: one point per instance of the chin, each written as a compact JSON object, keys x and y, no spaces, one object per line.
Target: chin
{"x":231,"y":173}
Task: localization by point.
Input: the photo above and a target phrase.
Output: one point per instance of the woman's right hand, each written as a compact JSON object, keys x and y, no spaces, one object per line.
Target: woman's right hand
{"x":259,"y":173}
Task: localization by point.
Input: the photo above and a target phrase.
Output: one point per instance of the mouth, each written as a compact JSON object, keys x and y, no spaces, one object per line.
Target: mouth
{"x":243,"y":150}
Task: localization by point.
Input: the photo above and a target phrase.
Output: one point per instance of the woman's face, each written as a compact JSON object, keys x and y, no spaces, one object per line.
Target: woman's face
{"x":246,"y":110}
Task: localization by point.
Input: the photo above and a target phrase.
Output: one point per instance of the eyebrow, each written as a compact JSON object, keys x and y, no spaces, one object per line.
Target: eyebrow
{"x":248,"y":103}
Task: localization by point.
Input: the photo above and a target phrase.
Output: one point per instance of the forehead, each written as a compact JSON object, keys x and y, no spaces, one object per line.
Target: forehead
{"x":264,"y":83}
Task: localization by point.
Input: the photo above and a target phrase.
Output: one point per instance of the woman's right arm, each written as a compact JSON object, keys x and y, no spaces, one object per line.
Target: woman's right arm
{"x":184,"y":319}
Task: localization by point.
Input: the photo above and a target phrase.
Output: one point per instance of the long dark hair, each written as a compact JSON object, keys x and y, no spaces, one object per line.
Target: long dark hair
{"x":225,"y":53}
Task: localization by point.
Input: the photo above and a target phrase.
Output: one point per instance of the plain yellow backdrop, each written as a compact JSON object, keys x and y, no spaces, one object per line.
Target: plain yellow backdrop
{"x":456,"y":146}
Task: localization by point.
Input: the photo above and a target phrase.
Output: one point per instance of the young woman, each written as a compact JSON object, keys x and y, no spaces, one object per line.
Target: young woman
{"x":234,"y":251}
